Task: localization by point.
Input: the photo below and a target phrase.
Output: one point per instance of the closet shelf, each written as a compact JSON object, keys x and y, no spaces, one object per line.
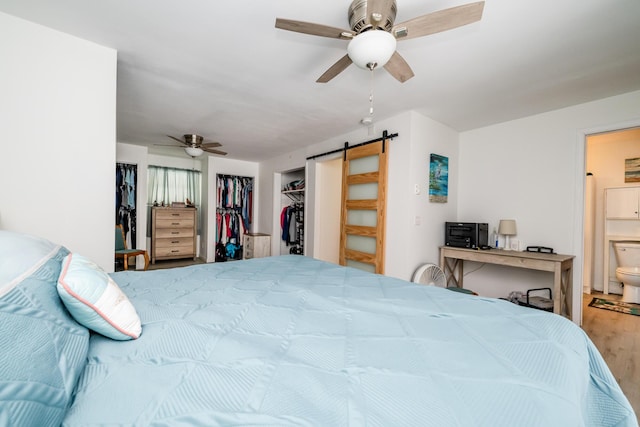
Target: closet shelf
{"x":294,"y":195}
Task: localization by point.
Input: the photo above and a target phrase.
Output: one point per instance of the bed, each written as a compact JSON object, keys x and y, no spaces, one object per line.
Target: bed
{"x":286,"y":341}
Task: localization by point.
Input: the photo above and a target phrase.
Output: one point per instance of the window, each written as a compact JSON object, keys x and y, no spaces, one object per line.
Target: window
{"x":168,"y":185}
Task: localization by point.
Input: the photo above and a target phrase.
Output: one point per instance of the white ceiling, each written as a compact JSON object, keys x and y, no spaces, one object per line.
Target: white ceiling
{"x":222,"y":70}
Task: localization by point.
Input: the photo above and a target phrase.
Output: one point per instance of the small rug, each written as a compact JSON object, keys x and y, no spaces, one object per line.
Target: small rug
{"x":621,"y":307}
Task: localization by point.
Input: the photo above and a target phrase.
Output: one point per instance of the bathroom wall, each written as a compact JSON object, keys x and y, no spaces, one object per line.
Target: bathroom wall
{"x":605,"y":156}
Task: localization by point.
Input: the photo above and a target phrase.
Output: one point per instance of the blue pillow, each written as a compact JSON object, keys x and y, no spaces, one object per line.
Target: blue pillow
{"x":44,"y":349}
{"x":95,"y":300}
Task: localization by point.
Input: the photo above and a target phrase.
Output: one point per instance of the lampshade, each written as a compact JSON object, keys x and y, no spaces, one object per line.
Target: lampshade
{"x":194,"y":151}
{"x":507,"y":227}
{"x":371,"y":49}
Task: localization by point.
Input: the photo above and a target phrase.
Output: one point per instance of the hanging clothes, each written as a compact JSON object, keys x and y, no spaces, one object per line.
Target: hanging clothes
{"x":292,"y":227}
{"x":234,"y":213}
{"x":125,"y":200}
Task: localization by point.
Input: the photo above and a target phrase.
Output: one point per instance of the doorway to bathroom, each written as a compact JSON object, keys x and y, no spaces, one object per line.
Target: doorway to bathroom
{"x":605,"y":156}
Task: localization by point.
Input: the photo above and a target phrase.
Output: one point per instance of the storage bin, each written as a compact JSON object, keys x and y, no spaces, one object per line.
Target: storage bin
{"x":539,"y":302}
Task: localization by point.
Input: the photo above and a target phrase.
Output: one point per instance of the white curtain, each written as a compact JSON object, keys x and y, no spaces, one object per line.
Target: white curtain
{"x":168,"y":185}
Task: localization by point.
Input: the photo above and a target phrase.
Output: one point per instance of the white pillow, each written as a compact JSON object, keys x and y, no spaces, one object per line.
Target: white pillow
{"x":20,"y":256}
{"x":95,"y":300}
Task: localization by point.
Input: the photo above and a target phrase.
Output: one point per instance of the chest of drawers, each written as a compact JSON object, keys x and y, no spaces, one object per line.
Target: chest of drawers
{"x":173,"y":233}
{"x":256,"y":245}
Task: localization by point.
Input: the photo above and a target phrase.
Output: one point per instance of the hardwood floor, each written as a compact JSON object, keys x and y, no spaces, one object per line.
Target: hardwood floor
{"x":617,"y":337}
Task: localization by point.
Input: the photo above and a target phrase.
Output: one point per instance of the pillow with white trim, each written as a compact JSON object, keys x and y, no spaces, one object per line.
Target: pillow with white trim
{"x":95,"y":300}
{"x":20,"y":256}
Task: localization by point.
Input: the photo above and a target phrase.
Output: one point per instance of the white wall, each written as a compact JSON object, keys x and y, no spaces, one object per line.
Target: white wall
{"x":533,"y":170}
{"x":430,"y":137}
{"x":58,"y":127}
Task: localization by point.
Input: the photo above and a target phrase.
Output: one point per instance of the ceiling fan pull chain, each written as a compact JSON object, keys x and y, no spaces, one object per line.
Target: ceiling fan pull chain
{"x":371,"y":95}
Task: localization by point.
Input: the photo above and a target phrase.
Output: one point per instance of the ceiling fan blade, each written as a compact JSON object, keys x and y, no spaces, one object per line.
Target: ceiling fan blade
{"x":177,"y":139}
{"x":211,"y":150}
{"x":378,"y":12}
{"x":436,"y":22}
{"x":210,"y":145}
{"x":399,"y":68}
{"x":335,"y":69}
{"x":313,"y":29}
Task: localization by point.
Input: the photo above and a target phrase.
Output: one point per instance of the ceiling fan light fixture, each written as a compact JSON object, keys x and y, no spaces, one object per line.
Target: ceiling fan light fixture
{"x":371,"y":49}
{"x":194,"y":151}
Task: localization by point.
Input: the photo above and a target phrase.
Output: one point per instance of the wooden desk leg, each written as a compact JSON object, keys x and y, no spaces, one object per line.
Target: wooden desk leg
{"x":449,"y":266}
{"x":567,"y":283}
{"x":558,"y":296}
{"x":563,"y":289}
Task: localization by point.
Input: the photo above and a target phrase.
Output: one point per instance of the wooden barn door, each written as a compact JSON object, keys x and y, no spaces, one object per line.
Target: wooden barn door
{"x":364,"y":185}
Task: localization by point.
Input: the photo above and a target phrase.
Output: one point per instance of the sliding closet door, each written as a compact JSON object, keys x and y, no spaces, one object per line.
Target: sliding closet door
{"x":364,"y":184}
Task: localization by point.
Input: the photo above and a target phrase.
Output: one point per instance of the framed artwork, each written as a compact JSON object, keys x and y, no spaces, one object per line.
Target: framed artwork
{"x":438,"y":178}
{"x":632,"y":170}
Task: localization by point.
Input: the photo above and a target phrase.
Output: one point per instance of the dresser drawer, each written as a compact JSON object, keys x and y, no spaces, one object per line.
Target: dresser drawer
{"x":174,"y":223}
{"x":174,"y":251}
{"x":162,"y":214}
{"x":248,"y":244}
{"x":162,"y":233}
{"x":176,"y":241}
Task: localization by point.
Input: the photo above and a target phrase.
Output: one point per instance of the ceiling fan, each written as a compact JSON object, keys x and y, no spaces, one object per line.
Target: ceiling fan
{"x":194,"y":145}
{"x":373,"y":34}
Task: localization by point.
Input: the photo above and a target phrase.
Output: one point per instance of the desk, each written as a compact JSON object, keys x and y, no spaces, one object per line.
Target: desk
{"x":451,"y":261}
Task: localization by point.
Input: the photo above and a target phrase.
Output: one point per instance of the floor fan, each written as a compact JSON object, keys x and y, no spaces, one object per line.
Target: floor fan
{"x":431,"y":275}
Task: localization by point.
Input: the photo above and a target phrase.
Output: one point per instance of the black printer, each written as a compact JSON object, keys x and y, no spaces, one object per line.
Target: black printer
{"x":472,"y":235}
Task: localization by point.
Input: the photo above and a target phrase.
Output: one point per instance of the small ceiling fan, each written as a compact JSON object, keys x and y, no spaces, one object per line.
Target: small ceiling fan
{"x":373,"y":34}
{"x":194,"y":145}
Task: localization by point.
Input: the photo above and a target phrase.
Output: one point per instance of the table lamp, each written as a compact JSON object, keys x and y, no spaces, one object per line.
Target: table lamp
{"x":507,"y":228}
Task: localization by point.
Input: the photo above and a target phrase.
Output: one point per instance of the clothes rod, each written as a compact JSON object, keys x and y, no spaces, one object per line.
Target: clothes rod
{"x":385,"y":136}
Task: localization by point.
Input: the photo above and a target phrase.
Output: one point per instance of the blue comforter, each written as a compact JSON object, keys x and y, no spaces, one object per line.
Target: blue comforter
{"x":289,"y":340}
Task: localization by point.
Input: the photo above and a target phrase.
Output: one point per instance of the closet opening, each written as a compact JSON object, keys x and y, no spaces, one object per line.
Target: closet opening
{"x":234,"y":215}
{"x":291,"y":212}
{"x":328,"y":198}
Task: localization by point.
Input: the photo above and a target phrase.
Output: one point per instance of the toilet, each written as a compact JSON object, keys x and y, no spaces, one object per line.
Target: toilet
{"x":628,"y":271}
